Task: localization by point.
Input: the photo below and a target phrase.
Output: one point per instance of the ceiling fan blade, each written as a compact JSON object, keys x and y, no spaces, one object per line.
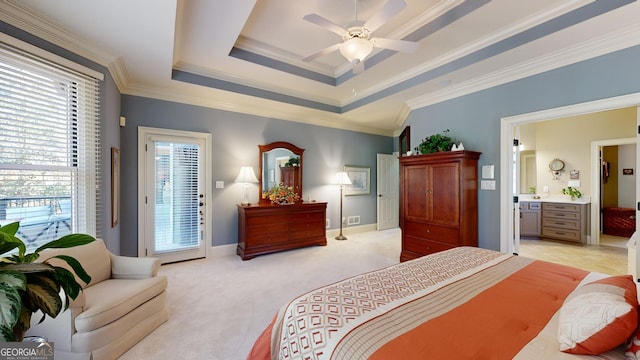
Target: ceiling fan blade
{"x":323,"y":52}
{"x":389,"y":10}
{"x":322,"y":22}
{"x":397,"y":45}
{"x":357,"y":67}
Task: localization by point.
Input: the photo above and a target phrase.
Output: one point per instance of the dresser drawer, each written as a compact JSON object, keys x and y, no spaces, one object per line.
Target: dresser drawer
{"x":561,"y":223}
{"x":561,"y":215}
{"x":306,"y":225}
{"x":308,"y":216}
{"x":571,"y":235}
{"x":561,"y":207}
{"x":256,"y":230}
{"x":422,"y":246}
{"x":267,"y":220}
{"x":266,"y":238}
{"x":441,"y":234}
{"x":311,"y":233}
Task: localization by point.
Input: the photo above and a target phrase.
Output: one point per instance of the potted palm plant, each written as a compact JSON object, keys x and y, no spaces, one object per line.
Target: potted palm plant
{"x":27,"y":286}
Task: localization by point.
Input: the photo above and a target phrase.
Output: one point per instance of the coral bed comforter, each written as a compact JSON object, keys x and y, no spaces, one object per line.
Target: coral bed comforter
{"x":464,"y":303}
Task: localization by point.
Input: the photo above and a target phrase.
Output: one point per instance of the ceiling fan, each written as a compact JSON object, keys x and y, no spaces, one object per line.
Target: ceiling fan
{"x":357,"y":41}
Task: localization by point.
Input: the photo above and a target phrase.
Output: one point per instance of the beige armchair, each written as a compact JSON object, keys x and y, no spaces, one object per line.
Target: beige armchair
{"x":124,"y":302}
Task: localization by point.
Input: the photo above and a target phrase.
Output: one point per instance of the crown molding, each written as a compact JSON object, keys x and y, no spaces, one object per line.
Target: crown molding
{"x":21,"y":16}
{"x":252,"y":107}
{"x":401,"y":117}
{"x":119,"y":73}
{"x":196,"y":70}
{"x":620,"y":39}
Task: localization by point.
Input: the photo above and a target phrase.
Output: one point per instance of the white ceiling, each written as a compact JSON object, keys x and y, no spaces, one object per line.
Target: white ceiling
{"x":245,"y":55}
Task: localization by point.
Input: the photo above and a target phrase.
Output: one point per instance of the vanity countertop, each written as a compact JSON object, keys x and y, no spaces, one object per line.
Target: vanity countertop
{"x":554,"y":198}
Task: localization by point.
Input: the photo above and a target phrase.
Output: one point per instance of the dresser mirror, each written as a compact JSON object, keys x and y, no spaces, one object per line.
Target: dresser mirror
{"x":280,"y":162}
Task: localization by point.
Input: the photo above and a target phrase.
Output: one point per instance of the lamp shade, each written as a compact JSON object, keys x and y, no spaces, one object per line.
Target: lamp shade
{"x":342,"y":179}
{"x":246,"y":175}
{"x":356,"y":48}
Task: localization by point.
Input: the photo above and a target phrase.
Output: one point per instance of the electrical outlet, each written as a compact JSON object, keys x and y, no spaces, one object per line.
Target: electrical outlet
{"x":328,"y":223}
{"x":344,"y":221}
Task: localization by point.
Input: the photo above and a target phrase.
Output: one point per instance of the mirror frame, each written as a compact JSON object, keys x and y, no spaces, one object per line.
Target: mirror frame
{"x":275,"y":145}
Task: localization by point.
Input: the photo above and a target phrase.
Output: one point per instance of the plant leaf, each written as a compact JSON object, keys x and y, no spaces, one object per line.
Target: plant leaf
{"x":10,"y":305}
{"x":10,"y":229}
{"x":76,"y":266}
{"x":8,"y":242}
{"x":7,"y":333}
{"x":43,"y":296}
{"x":28,"y":268}
{"x":68,"y":283}
{"x":12,"y":278}
{"x":67,"y":241}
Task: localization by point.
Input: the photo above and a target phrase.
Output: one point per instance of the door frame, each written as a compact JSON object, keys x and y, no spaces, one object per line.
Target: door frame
{"x":143,"y":132}
{"x":506,"y":143}
{"x":596,"y":183}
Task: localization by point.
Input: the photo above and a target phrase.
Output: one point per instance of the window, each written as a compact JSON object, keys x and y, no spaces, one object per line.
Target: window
{"x":49,"y":147}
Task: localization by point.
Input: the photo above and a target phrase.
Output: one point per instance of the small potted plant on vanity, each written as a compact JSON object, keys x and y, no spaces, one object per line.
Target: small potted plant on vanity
{"x":572,"y":192}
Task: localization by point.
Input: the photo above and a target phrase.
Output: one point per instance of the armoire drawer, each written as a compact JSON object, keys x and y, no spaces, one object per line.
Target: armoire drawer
{"x":427,"y":231}
{"x":424,"y":247}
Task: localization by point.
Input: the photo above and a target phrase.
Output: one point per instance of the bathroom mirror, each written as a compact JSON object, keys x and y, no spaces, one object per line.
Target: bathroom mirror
{"x":528,"y":171}
{"x":280,"y":162}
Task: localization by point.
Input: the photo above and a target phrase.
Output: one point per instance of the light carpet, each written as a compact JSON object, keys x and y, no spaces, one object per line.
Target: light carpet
{"x":219,"y":306}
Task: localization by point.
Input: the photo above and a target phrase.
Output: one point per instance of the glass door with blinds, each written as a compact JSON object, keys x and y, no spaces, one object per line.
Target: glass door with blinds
{"x":175,"y":198}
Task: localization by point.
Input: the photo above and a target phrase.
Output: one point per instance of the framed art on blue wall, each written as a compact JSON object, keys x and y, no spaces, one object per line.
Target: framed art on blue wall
{"x":360,"y":177}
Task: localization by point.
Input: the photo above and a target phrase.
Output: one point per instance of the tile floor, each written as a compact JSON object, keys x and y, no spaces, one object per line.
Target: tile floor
{"x":608,"y":258}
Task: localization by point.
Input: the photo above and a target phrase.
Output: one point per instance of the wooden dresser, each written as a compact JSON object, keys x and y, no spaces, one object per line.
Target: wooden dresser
{"x":264,"y":229}
{"x":438,"y":202}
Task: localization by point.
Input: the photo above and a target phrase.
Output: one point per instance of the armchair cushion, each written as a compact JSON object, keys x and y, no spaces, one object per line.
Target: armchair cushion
{"x":94,"y":258}
{"x":124,"y":267}
{"x":110,"y":300}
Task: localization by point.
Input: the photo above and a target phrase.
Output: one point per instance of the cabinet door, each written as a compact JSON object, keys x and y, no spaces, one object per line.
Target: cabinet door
{"x":444,"y":193}
{"x":415,"y":189}
{"x":530,"y":223}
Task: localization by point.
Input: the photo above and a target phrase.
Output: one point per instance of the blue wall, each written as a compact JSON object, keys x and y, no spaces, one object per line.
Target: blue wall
{"x":475,"y":118}
{"x":235,"y":143}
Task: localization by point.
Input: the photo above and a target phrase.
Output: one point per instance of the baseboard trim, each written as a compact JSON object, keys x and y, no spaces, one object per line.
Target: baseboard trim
{"x":222,"y":250}
{"x":351,"y":230}
{"x":230,"y":249}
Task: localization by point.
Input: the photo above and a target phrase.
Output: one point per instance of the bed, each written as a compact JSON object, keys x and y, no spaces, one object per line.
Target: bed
{"x":461,"y":303}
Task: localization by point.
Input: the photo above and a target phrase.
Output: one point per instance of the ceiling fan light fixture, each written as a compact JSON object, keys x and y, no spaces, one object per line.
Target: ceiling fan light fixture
{"x":356,"y":49}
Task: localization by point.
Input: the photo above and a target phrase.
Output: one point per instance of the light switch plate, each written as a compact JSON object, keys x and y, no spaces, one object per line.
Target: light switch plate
{"x":487,"y":171}
{"x":573,"y":183}
{"x":488,"y":184}
{"x":219,"y":184}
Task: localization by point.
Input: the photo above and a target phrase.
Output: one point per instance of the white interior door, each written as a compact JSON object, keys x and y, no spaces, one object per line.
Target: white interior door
{"x":174,"y":222}
{"x":388,"y":191}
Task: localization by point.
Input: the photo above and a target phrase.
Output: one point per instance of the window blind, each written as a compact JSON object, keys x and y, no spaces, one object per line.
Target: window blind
{"x":176,"y":201}
{"x":49,"y":147}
